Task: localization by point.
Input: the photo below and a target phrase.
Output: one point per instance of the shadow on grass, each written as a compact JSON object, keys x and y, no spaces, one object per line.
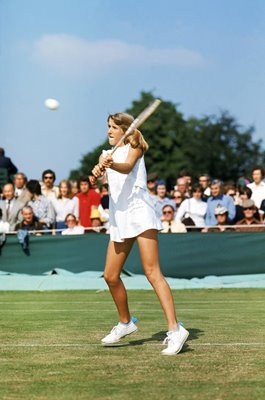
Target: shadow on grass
{"x":159,"y":337}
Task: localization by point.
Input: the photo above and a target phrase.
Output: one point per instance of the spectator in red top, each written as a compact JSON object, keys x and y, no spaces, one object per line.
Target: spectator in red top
{"x":87,"y":198}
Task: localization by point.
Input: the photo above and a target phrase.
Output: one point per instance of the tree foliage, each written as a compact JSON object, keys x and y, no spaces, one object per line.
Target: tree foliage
{"x":216,"y":145}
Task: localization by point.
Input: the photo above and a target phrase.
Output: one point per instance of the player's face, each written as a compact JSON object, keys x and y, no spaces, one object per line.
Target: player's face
{"x":114,"y":132}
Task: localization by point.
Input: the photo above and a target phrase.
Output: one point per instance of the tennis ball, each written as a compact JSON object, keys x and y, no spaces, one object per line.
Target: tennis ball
{"x":52,"y":104}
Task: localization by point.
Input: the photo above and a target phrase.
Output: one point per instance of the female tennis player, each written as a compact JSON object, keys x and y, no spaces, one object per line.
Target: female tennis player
{"x":133,"y":218}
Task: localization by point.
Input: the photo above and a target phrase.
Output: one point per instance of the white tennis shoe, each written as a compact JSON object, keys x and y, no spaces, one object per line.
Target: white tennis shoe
{"x":175,"y":341}
{"x":119,"y":331}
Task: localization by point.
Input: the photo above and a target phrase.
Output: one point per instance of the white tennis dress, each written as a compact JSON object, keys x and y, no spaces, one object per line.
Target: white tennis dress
{"x":131,"y":208}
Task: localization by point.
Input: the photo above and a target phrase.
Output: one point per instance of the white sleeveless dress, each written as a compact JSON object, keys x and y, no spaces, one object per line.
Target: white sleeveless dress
{"x":131,"y":208}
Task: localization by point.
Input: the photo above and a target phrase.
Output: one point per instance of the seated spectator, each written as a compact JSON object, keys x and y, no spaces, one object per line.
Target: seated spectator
{"x":204,"y":181}
{"x":168,"y":222}
{"x":29,"y":222}
{"x":4,"y":226}
{"x":48,"y":189}
{"x":97,"y":221}
{"x":40,"y":204}
{"x":249,"y":219}
{"x":192,"y":211}
{"x":262,"y":211}
{"x":178,"y":198}
{"x":65,"y":204}
{"x":218,"y":198}
{"x":11,"y":207}
{"x":103,"y":208}
{"x":72,"y":227}
{"x":244,"y":193}
{"x":161,"y":198}
{"x":104,"y":192}
{"x":221,"y":215}
{"x":88,"y":197}
{"x":258,"y":185}
{"x":151,"y":183}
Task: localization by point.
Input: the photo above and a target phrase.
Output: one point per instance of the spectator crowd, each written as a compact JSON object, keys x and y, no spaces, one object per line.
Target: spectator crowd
{"x":77,"y":207}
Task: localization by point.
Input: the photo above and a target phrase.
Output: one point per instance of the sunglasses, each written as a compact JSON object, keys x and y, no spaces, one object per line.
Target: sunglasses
{"x":248,"y":208}
{"x":48,"y":177}
{"x":167,"y":212}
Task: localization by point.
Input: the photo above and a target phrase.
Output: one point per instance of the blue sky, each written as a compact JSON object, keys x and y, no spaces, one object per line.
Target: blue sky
{"x":96,"y":56}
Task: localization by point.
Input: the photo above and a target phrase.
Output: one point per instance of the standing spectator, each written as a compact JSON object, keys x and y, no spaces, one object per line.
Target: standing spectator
{"x":11,"y":207}
{"x":182,"y":187}
{"x":48,"y":188}
{"x":21,"y":192}
{"x":258,"y":185}
{"x":218,"y":198}
{"x":19,"y":182}
{"x":185,"y":174}
{"x":7,"y":166}
{"x":230,"y":190}
{"x":87,"y":198}
{"x":74,"y":187}
{"x":249,"y":219}
{"x":40,"y":204}
{"x":169,"y":223}
{"x":178,"y":198}
{"x":72,"y":227}
{"x":65,"y":204}
{"x":29,"y":222}
{"x":204,"y":181}
{"x":193,"y":208}
{"x":161,"y":198}
{"x":151,"y":183}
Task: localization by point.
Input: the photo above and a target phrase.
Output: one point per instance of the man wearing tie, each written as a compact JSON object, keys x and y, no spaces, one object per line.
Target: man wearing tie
{"x":11,"y":207}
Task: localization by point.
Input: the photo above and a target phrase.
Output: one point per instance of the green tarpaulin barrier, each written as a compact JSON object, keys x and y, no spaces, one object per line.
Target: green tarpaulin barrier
{"x":181,"y":255}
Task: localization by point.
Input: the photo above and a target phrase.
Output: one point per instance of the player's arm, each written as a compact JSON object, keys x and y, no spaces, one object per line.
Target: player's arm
{"x":127,"y":166}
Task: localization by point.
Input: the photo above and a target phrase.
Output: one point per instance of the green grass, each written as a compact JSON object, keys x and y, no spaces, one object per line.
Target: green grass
{"x":50,"y":347}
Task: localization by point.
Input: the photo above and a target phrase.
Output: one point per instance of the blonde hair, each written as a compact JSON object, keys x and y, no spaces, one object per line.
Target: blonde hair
{"x":136,"y":139}
{"x":69,"y":189}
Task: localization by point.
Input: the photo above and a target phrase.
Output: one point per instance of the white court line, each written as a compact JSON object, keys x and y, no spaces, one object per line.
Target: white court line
{"x":3,"y":346}
{"x":141,"y":312}
{"x":135,"y":302}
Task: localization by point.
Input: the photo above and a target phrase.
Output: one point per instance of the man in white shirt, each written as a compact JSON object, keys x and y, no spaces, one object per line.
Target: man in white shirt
{"x":258,"y":185}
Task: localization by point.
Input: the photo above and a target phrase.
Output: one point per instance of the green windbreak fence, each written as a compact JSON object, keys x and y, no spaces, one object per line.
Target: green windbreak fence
{"x":181,"y":255}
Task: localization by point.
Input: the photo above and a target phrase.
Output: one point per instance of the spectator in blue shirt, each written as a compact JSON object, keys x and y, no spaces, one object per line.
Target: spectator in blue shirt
{"x":217,"y":198}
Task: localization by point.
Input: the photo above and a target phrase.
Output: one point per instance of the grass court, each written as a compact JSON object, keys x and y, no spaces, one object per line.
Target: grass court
{"x":50,"y":347}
